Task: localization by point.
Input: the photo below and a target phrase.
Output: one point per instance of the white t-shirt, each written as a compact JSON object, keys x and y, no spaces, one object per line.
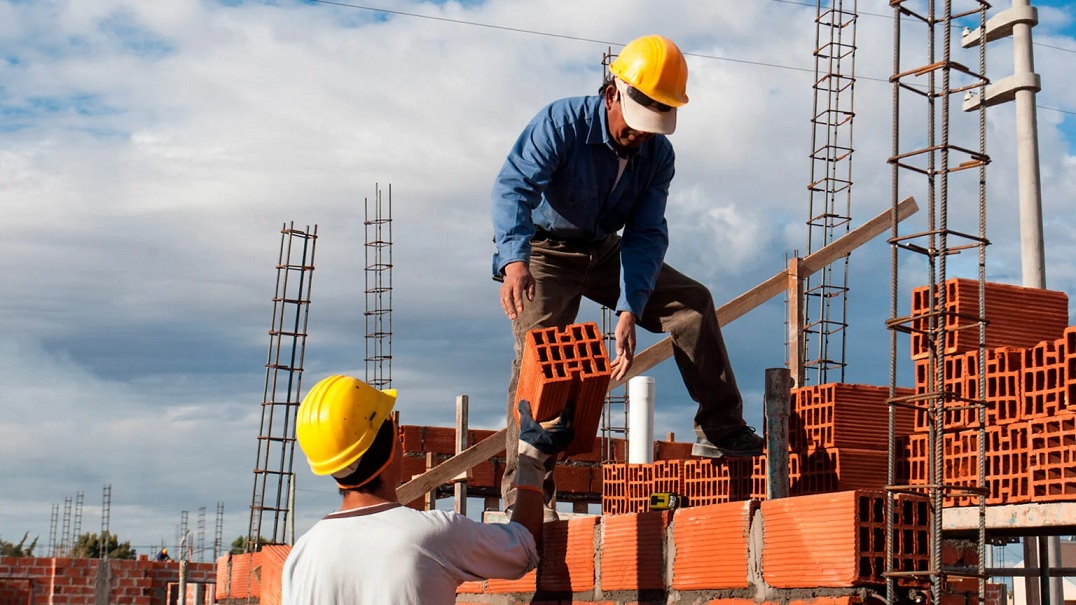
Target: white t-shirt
{"x":389,"y":554}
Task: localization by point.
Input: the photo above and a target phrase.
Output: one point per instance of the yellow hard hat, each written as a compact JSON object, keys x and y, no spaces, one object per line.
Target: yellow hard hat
{"x":338,"y":421}
{"x":655,"y":66}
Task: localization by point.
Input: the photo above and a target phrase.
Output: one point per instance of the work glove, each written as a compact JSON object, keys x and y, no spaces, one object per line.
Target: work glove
{"x":539,"y":442}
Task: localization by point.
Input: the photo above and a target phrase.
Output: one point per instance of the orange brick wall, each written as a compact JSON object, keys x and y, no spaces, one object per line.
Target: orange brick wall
{"x":721,"y":554}
{"x":64,"y":581}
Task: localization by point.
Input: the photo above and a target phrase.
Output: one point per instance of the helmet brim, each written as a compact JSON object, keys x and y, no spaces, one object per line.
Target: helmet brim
{"x":642,"y":118}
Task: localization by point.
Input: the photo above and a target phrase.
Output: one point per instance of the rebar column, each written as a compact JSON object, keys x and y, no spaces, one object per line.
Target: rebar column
{"x":378,"y":313}
{"x":926,"y":157}
{"x":273,"y":476}
{"x":826,"y":301}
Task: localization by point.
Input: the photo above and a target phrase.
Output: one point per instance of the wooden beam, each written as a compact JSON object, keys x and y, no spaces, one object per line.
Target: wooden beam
{"x":737,"y":307}
{"x":460,"y":489}
{"x":795,"y":321}
{"x":734,"y":309}
{"x":468,"y":458}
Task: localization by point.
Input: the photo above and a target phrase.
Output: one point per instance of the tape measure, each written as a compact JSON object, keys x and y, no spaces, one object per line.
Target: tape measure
{"x":666,"y":501}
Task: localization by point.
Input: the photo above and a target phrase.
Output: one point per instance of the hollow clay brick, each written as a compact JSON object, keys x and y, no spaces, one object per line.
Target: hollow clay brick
{"x":632,"y":556}
{"x":528,"y":583}
{"x":1043,"y":380}
{"x":640,"y":487}
{"x":1004,"y":400}
{"x":1053,"y":458}
{"x":1018,"y":317}
{"x":838,"y":539}
{"x":823,"y":470}
{"x":669,"y":476}
{"x":711,"y":546}
{"x":1007,"y":474}
{"x":706,"y":481}
{"x":844,"y":415}
{"x":562,"y":365}
{"x":614,"y":489}
{"x":567,"y":563}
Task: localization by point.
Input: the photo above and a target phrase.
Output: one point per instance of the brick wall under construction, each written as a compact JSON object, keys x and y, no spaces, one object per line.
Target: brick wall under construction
{"x":822,"y":549}
{"x":66,"y":581}
{"x":823,"y":545}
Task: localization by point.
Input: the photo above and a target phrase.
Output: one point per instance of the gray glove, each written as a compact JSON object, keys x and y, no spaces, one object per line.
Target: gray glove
{"x":537,"y":443}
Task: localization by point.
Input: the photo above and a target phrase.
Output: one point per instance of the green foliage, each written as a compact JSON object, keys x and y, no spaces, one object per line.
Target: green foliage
{"x":88,"y":546}
{"x":8,"y":549}
{"x":239,"y":545}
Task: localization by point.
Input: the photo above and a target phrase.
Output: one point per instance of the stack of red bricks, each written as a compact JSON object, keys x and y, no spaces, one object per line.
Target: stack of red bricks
{"x":837,"y":441}
{"x":1029,"y":378}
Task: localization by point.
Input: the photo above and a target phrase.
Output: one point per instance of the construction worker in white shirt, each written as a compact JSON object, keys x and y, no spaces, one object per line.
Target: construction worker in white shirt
{"x":375,"y":550}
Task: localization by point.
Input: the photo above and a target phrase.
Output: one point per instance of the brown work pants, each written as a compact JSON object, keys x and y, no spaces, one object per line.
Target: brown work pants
{"x":564,"y":272}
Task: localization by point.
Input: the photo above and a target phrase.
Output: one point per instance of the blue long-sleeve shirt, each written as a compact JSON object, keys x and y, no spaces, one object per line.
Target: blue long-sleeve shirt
{"x":559,"y":176}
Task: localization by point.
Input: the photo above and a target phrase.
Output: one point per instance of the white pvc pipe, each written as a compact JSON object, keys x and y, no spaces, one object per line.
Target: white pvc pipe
{"x":641,"y":420}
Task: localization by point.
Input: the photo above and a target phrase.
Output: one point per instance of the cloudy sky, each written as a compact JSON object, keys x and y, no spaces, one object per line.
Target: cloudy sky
{"x":151,"y":151}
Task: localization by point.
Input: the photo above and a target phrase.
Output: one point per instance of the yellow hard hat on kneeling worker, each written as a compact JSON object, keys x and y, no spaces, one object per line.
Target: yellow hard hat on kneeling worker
{"x":338,"y":421}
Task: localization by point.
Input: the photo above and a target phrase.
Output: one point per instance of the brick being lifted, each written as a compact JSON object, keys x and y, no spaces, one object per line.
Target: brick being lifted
{"x":562,"y":365}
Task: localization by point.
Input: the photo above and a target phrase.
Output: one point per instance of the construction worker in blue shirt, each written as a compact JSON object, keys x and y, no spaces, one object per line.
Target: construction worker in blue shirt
{"x":584,"y":169}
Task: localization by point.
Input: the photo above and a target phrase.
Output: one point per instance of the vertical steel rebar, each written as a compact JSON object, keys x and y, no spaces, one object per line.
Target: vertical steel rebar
{"x":378,"y":292}
{"x":76,"y":525}
{"x":830,"y":188}
{"x":53,"y":521}
{"x":937,"y":323}
{"x":218,"y":531}
{"x":283,"y":387}
{"x":106,"y":515}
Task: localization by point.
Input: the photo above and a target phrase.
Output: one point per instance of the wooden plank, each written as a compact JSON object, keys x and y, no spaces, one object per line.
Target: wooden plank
{"x":468,"y":458}
{"x":795,"y":321}
{"x":431,"y":494}
{"x":460,"y":489}
{"x":737,"y":307}
{"x":661,"y":351}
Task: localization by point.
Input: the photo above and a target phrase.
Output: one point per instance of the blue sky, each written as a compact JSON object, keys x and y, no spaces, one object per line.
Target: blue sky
{"x":150,"y":152}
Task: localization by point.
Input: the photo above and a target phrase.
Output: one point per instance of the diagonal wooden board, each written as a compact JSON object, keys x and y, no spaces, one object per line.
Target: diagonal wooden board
{"x":655,"y":354}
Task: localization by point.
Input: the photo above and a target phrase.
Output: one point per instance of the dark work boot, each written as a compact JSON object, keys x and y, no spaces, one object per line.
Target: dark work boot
{"x":741,"y":443}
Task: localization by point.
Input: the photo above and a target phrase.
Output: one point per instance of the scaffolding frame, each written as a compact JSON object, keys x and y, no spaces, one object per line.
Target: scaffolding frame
{"x":927,"y":161}
{"x":378,"y":313}
{"x":273,"y":476}
{"x":825,"y":304}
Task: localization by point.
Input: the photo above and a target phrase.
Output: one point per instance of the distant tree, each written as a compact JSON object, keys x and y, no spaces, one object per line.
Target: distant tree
{"x":88,"y":546}
{"x":7,"y":549}
{"x":239,"y":545}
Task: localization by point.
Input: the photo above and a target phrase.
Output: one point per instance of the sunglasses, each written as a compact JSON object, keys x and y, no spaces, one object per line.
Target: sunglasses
{"x":646,"y":101}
